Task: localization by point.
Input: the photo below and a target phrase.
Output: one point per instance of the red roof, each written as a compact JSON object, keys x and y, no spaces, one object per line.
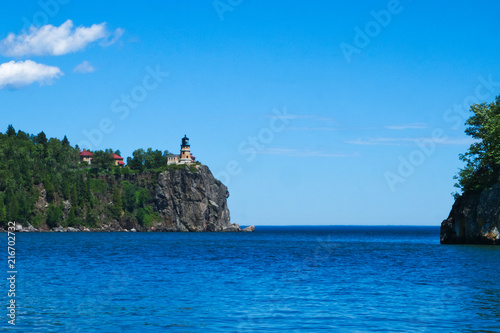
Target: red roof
{"x":121,"y":163}
{"x":117,"y":157}
{"x":85,"y":153}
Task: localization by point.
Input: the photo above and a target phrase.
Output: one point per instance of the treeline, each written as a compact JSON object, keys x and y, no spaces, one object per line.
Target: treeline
{"x":42,"y":181}
{"x":482,"y":160}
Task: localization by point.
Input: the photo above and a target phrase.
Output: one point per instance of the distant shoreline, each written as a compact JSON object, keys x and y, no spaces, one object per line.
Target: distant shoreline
{"x":19,"y":228}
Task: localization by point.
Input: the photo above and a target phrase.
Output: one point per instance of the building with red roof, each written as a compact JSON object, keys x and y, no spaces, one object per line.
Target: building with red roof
{"x":86,"y":156}
{"x":118,"y":160}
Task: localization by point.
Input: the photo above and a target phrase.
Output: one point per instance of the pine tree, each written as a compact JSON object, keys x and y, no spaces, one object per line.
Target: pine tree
{"x":71,"y":219}
{"x":3,"y":211}
{"x":41,"y":138}
{"x":117,"y":208}
{"x":11,"y":131}
{"x":49,"y":190}
{"x":13,"y":208}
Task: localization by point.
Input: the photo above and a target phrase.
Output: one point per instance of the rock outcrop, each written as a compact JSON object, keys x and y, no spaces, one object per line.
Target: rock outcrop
{"x":192,"y":201}
{"x":186,"y":198}
{"x":249,"y":229}
{"x":474,"y":219}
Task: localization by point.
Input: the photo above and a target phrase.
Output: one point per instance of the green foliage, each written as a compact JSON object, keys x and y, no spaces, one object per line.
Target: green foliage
{"x":49,"y":190}
{"x":92,"y":219}
{"x":148,"y":160}
{"x":117,"y":206}
{"x":3,"y":211}
{"x":71,"y":219}
{"x":36,"y":222}
{"x":12,"y":208}
{"x":97,"y":185}
{"x":41,"y":138}
{"x":30,"y":163}
{"x":143,"y":197}
{"x":137,"y":161}
{"x":54,"y":216}
{"x":146,"y":215}
{"x":128,"y":196}
{"x":176,"y":167}
{"x":482,"y":169}
{"x":11,"y":131}
{"x":103,"y":159}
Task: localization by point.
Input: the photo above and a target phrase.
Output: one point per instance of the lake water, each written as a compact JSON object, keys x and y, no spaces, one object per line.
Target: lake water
{"x":298,"y":279}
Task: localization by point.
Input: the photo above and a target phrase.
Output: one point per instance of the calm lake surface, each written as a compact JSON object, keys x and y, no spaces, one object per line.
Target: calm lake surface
{"x":299,"y":279}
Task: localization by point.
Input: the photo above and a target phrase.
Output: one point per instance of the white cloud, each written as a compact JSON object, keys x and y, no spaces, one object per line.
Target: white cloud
{"x":318,"y":129}
{"x":51,"y":40}
{"x":303,"y":153}
{"x":19,"y":74}
{"x":410,"y":141}
{"x":407,"y":126}
{"x":113,"y":37}
{"x":84,"y":67}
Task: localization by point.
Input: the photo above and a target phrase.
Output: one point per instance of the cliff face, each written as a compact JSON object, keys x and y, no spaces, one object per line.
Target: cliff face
{"x":192,"y":201}
{"x":184,"y":198}
{"x":474,"y":219}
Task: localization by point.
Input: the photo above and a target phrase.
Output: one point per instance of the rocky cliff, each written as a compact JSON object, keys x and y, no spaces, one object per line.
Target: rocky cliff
{"x":474,"y":219}
{"x":192,"y":201}
{"x":181,"y":198}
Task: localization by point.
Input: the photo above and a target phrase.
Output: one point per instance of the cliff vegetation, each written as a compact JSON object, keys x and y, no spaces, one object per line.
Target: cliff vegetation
{"x":475,"y":215}
{"x":43,"y":183}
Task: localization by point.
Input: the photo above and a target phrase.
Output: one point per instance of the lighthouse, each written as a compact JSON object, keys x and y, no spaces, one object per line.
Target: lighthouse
{"x":185,"y":157}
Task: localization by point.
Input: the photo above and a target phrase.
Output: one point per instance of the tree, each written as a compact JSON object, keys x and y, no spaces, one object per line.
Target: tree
{"x":117,"y":207}
{"x":65,"y":141}
{"x":143,"y":197}
{"x":11,"y":131}
{"x":137,"y":161}
{"x":482,"y":169}
{"x":12,"y":208}
{"x":128,"y":196}
{"x":92,"y":219}
{"x":41,"y":138}
{"x":22,"y":135}
{"x":3,"y":211}
{"x":49,"y":190}
{"x":154,"y":159}
{"x":103,"y":159}
{"x":54,"y":216}
{"x":74,"y":196}
{"x":71,"y":219}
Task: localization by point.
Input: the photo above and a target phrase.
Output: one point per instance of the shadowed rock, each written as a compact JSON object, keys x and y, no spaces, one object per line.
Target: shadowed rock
{"x":474,"y":219}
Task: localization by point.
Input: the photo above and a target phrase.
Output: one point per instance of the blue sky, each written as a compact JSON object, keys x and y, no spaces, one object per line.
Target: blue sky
{"x":311,"y":113}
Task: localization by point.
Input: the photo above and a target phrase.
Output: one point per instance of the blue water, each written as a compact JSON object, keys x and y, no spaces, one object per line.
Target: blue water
{"x":298,"y":279}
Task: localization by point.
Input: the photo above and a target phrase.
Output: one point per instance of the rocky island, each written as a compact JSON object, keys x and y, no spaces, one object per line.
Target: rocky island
{"x":475,"y":215}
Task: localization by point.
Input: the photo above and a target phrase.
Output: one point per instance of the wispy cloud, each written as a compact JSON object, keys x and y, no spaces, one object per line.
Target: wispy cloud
{"x":51,"y":40}
{"x":23,"y":73}
{"x":306,"y":117}
{"x":407,"y":126}
{"x":312,"y":128}
{"x":112,"y":37}
{"x":84,"y":67}
{"x":410,"y":141}
{"x":303,"y":153}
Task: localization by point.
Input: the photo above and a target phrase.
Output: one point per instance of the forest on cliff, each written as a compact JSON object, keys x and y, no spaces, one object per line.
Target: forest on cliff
{"x":482,"y":160}
{"x":43,"y":182}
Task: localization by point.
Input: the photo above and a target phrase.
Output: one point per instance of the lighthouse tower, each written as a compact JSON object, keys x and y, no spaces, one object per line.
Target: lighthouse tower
{"x":185,"y":157}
